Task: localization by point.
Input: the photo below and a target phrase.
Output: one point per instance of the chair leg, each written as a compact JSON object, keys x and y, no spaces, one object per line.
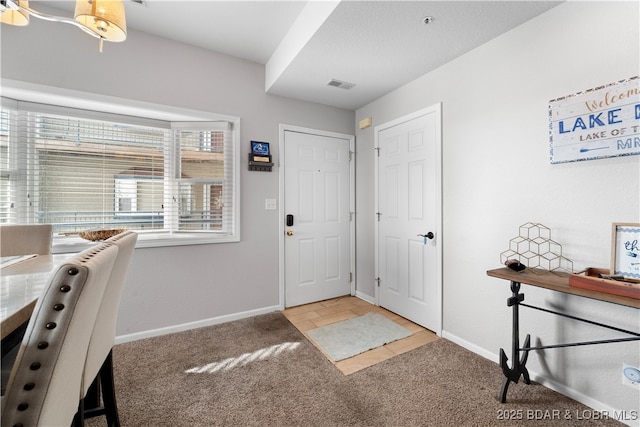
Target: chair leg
{"x":78,"y":419}
{"x":109,"y":392}
{"x":91,"y":403}
{"x":92,"y":399}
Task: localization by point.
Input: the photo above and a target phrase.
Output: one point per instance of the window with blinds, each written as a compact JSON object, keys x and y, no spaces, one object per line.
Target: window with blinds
{"x":82,"y":173}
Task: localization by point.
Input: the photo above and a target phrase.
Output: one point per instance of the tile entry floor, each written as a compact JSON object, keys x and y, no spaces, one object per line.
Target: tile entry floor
{"x":317,"y":314}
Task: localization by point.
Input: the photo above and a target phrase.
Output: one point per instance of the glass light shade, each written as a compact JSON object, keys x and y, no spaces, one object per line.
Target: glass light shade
{"x":16,"y":17}
{"x":105,"y":17}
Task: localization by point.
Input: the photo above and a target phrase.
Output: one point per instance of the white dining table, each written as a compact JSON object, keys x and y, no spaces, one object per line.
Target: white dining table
{"x":21,"y":284}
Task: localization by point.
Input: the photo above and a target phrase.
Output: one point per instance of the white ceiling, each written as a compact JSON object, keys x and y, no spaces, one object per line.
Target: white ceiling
{"x":377,"y":45}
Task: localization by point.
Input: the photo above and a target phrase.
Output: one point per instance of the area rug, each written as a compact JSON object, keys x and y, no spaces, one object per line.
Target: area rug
{"x":351,"y":337}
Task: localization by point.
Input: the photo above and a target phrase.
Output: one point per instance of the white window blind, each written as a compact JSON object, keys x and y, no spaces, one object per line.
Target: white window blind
{"x":82,"y":172}
{"x":5,"y":172}
{"x":205,"y":185}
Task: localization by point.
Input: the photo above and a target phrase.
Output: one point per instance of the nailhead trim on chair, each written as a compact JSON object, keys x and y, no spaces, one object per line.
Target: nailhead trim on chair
{"x":78,"y":277}
{"x":44,"y":344}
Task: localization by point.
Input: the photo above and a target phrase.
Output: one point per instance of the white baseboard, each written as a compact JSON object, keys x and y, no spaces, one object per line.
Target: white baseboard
{"x":365,"y":297}
{"x":194,"y":325}
{"x":594,"y":404}
{"x":626,"y":417}
{"x":471,"y":347}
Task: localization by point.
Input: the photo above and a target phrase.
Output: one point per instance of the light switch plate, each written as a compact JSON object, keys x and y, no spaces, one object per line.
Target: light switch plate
{"x":270,"y":204}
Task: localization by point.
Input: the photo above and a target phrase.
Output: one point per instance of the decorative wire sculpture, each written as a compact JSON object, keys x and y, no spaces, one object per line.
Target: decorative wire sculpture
{"x":534,"y":249}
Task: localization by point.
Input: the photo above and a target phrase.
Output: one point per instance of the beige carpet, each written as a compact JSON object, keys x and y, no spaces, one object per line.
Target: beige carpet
{"x":263,"y":372}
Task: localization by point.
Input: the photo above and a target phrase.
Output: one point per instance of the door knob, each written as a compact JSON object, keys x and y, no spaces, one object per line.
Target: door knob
{"x":426,"y":237}
{"x":289,"y":233}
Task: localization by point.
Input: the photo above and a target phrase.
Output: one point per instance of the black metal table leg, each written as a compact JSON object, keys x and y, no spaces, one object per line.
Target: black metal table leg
{"x":518,"y":363}
{"x":519,"y":355}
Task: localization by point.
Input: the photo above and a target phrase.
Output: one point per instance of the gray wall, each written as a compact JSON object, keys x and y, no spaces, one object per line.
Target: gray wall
{"x":179,"y":285}
{"x":497,"y":176}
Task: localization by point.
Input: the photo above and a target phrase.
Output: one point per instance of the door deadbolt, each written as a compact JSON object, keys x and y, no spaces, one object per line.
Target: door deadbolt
{"x":289,"y":233}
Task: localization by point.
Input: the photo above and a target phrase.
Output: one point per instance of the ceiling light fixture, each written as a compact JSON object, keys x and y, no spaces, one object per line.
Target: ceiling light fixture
{"x":103,"y":19}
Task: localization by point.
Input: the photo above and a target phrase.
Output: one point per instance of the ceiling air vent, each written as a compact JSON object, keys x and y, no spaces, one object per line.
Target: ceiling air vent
{"x":340,"y":84}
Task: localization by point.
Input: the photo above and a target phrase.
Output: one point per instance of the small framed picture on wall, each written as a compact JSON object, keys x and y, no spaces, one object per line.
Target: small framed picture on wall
{"x":625,"y":250}
{"x":260,"y":148}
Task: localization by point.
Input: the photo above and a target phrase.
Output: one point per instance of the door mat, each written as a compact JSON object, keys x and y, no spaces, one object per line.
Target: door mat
{"x":351,"y":337}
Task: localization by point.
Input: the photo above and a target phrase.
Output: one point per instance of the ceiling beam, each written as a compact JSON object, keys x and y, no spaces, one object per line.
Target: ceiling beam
{"x":314,"y":14}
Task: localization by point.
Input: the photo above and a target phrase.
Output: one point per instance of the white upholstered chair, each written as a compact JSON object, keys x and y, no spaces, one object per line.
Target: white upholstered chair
{"x":46,"y":382}
{"x":25,"y":239}
{"x":99,"y":365}
{"x":22,"y":239}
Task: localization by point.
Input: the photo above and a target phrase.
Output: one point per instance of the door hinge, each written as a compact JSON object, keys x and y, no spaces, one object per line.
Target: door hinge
{"x":350,"y":277}
{"x":378,"y":214}
{"x":351,"y":214}
{"x":378,"y":150}
{"x":378,"y":281}
{"x":351,"y":155}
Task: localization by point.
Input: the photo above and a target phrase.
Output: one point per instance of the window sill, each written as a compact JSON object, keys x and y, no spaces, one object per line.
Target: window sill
{"x":73,"y":244}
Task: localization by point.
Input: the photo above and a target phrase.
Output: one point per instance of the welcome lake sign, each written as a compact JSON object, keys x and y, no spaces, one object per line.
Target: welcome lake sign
{"x":597,"y":123}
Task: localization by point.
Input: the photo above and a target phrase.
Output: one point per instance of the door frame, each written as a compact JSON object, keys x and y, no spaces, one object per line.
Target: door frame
{"x":437,"y":108}
{"x":352,"y":223}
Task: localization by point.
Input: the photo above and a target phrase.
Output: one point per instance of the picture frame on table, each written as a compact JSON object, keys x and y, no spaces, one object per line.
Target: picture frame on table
{"x":625,"y":250}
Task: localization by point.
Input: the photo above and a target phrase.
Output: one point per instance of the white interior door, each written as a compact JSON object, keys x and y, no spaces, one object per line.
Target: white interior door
{"x":408,"y":191}
{"x":317,"y":215}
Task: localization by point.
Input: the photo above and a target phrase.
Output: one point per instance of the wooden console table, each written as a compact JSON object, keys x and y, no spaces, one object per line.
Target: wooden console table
{"x":558,"y":282}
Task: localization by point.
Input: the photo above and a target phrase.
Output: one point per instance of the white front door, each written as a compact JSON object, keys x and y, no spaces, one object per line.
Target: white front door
{"x":316,"y":215}
{"x":408,"y":191}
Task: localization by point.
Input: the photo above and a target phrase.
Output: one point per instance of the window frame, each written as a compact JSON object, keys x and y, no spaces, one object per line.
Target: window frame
{"x":21,"y":96}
